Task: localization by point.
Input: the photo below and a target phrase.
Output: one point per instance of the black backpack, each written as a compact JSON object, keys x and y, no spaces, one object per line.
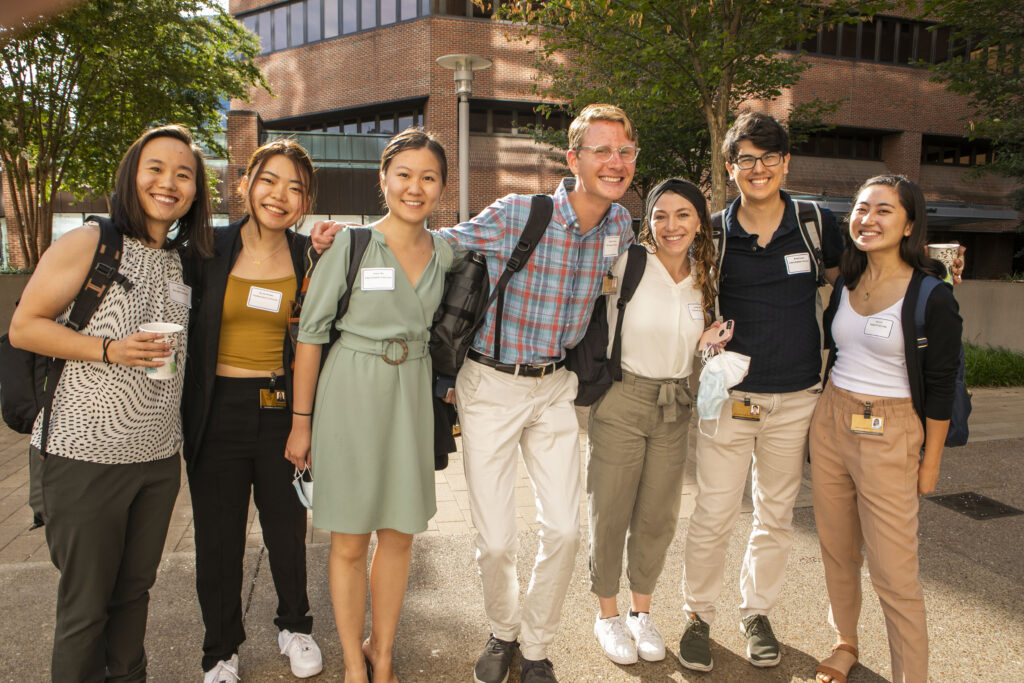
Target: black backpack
{"x":465,"y":300}
{"x":588,"y":359}
{"x":28,"y":381}
{"x":958,"y":429}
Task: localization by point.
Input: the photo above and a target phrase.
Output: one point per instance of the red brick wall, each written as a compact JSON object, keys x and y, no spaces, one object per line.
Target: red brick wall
{"x":243,"y":136}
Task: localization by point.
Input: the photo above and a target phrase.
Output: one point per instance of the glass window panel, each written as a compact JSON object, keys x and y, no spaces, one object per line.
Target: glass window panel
{"x":905,"y":47}
{"x":829,"y":42}
{"x":333,"y":147}
{"x":368,"y":16}
{"x":826,"y":145}
{"x":331,"y":24}
{"x":863,"y":148}
{"x":844,"y":146}
{"x":250,"y":22}
{"x":388,"y":12}
{"x":406,"y":121}
{"x":810,"y":45}
{"x":350,"y":128}
{"x":266,"y":32}
{"x":848,"y":40}
{"x":386,"y":125}
{"x":368,"y":126}
{"x":455,"y":8}
{"x":867,"y":40}
{"x":808,"y":146}
{"x":924,"y":43}
{"x":349,"y":16}
{"x":408,"y":8}
{"x":281,"y":28}
{"x":478,"y":120}
{"x":941,"y":45}
{"x":298,"y":28}
{"x":887,"y":48}
{"x":479,"y":12}
{"x":502,"y":121}
{"x":425,"y":8}
{"x":313,"y":20}
{"x":332,"y":129}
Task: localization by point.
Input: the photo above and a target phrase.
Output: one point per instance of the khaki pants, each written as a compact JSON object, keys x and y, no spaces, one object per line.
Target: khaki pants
{"x":500,"y":415}
{"x":777,"y":444}
{"x":865,"y":495}
{"x":635,"y":479}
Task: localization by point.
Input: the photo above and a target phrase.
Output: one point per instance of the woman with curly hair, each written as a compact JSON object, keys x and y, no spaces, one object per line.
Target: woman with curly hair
{"x":638,"y":429}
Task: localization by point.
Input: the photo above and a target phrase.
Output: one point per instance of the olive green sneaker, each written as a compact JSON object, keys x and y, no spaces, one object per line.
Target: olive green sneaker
{"x":762,"y":646}
{"x":695,"y":645}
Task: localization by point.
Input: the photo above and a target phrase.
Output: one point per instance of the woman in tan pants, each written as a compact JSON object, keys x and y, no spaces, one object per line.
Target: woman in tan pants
{"x":881,"y":404}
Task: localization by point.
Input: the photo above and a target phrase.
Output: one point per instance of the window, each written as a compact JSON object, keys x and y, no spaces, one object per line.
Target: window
{"x":298,"y":22}
{"x":280,"y":28}
{"x":885,"y":39}
{"x":313,"y":20}
{"x":368,"y":18}
{"x":350,"y":16}
{"x":844,"y":143}
{"x":388,"y":12}
{"x":408,"y":9}
{"x":954,"y":151}
{"x":510,"y":118}
{"x":265,"y":33}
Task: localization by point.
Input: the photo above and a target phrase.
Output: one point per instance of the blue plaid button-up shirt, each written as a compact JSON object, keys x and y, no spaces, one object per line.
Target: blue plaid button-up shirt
{"x":548,"y":303}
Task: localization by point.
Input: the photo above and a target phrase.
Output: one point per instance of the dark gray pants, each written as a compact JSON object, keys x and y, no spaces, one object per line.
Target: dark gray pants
{"x":105,"y":527}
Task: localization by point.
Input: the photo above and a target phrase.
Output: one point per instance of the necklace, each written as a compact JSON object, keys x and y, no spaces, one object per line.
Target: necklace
{"x":261,"y":259}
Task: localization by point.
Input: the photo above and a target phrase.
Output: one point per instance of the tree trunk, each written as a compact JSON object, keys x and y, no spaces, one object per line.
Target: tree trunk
{"x":718,"y":125}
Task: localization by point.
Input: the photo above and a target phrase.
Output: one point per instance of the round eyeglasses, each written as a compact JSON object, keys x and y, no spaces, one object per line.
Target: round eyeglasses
{"x":604,"y":153}
{"x":746,"y":162}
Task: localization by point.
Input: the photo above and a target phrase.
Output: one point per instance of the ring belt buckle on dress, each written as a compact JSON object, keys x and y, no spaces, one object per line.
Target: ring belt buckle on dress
{"x":387,"y":345}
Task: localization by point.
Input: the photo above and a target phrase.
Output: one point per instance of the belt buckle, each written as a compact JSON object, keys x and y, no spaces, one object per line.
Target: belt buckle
{"x":387,"y":344}
{"x":543,"y":371}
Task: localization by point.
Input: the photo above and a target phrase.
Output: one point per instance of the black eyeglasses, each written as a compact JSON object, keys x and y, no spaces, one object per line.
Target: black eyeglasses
{"x":746,"y":162}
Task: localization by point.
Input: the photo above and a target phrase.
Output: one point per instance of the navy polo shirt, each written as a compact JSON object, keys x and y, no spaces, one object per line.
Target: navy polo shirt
{"x":772,"y":303}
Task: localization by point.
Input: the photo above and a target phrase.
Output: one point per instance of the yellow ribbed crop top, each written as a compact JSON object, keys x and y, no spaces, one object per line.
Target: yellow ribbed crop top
{"x":254,"y":322}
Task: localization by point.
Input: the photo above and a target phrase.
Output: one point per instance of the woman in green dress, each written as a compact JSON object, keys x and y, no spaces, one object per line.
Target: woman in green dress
{"x":371,"y":432}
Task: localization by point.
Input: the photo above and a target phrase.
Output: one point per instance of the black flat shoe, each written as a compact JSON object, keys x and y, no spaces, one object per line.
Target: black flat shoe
{"x":369,"y":668}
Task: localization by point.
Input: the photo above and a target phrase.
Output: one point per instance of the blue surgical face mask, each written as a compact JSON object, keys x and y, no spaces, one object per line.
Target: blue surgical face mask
{"x":721,"y":373}
{"x":304,"y":488}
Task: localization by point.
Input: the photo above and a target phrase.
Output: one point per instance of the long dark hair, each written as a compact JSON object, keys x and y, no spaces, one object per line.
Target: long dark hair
{"x":299,"y":157}
{"x":703,"y":248}
{"x":195,"y":233}
{"x":912,"y":246}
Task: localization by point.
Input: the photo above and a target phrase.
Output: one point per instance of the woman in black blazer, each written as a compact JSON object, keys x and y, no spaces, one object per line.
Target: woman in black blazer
{"x":236,"y":410}
{"x":880,"y":426}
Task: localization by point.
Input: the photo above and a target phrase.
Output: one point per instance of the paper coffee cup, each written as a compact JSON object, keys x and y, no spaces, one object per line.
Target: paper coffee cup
{"x":168,"y":366}
{"x":946,"y":253}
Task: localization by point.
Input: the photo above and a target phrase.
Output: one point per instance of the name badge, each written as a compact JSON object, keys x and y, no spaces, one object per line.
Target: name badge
{"x":610,"y":284}
{"x":696,"y":312}
{"x":611,"y":246}
{"x":871,"y":424}
{"x":878,"y":327}
{"x":264,"y":299}
{"x":746,"y":411}
{"x":798,"y":263}
{"x":273,"y":399}
{"x":377,"y":279}
{"x":179,"y":293}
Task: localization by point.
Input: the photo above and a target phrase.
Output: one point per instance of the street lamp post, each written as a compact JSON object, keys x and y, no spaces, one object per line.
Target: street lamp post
{"x":464,"y":66}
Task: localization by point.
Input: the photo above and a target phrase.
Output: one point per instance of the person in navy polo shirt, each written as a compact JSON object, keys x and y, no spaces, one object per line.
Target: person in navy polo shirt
{"x":768,"y":287}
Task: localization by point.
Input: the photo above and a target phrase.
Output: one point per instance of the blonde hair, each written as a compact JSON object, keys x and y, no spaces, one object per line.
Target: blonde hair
{"x":598,"y":112}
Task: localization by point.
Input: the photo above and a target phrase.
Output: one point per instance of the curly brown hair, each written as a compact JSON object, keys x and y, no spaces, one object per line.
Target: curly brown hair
{"x":702,"y":251}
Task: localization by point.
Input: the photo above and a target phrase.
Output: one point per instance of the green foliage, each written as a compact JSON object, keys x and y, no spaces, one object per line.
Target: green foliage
{"x":992,"y":367}
{"x":77,"y":89}
{"x":679,"y":69}
{"x":992,"y":78}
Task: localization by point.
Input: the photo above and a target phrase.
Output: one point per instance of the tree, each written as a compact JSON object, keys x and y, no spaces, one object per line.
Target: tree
{"x":988,"y":40}
{"x":679,"y":68}
{"x":75,"y":90}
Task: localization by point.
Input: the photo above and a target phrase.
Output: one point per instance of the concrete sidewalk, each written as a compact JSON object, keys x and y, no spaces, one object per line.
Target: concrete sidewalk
{"x":972,"y":572}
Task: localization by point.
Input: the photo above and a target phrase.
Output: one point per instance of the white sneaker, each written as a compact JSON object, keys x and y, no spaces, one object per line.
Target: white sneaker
{"x":224,"y":672}
{"x":650,"y":645}
{"x":615,"y":640}
{"x":302,"y":652}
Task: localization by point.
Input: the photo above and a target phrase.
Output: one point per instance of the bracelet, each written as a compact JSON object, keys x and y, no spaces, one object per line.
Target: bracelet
{"x":107,"y":341}
{"x":295,"y":412}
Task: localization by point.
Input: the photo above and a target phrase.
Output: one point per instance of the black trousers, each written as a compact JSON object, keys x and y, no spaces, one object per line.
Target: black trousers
{"x":105,"y":527}
{"x":243,"y":451}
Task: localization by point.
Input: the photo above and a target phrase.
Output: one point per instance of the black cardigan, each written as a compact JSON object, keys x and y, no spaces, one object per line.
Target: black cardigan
{"x":931,"y":386}
{"x":208,"y":279}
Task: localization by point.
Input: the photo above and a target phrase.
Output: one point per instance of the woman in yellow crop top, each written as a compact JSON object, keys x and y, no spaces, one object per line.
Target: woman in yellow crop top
{"x":236,"y":415}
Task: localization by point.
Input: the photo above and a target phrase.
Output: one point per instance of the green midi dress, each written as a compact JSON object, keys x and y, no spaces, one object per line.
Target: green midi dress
{"x":373,"y":425}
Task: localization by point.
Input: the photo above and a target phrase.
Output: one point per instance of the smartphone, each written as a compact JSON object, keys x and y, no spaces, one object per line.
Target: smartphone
{"x":717,"y":336}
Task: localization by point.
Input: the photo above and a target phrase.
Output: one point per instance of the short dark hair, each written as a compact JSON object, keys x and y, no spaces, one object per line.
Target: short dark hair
{"x":764,"y":132}
{"x":414,"y":138}
{"x":912,"y":247}
{"x":195,"y":234}
{"x":299,"y":157}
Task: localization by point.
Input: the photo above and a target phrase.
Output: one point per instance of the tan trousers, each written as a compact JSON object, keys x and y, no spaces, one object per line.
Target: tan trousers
{"x":865,"y":495}
{"x":635,"y":479}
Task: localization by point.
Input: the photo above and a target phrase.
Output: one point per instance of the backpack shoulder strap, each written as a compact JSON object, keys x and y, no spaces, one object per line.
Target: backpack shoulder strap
{"x":808,"y":217}
{"x":636,"y":263}
{"x":929,"y":283}
{"x":542,"y":206}
{"x":718,"y":236}
{"x":360,"y":239}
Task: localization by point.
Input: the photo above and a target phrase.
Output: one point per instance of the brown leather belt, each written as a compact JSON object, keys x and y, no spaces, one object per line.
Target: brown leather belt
{"x":519,"y":369}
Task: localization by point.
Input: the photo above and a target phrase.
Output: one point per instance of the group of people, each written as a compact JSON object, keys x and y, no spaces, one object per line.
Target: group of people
{"x":252,"y":404}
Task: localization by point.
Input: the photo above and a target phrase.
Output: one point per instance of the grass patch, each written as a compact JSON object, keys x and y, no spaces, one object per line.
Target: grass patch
{"x":993,"y":367}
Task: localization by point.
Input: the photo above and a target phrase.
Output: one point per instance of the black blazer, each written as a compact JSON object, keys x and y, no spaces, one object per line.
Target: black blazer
{"x":931,"y":384}
{"x":208,"y":279}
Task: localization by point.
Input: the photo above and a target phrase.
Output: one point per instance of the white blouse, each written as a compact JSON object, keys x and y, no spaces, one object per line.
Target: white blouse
{"x":662,"y":324}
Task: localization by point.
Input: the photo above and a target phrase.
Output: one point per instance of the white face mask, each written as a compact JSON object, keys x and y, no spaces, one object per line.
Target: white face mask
{"x":720,"y":374}
{"x":303,"y":483}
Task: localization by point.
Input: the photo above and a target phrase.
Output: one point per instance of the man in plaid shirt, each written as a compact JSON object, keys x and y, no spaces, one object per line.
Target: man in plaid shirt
{"x":521,"y":397}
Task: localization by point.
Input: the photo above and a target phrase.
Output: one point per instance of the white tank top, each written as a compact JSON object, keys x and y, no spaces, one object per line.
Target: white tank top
{"x":870,"y":355}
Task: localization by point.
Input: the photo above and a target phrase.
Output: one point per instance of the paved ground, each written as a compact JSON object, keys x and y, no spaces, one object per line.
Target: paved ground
{"x":972,"y":572}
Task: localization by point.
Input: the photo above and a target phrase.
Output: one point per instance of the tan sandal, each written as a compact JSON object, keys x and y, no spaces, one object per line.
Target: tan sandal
{"x":834,"y":674}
